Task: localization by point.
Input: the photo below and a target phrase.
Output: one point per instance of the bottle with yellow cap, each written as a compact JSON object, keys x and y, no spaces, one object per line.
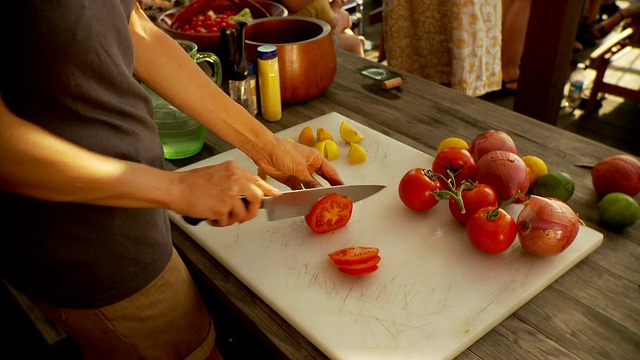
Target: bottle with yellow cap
{"x":269,"y":83}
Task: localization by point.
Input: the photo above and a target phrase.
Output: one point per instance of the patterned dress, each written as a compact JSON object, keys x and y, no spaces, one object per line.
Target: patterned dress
{"x":456,"y":43}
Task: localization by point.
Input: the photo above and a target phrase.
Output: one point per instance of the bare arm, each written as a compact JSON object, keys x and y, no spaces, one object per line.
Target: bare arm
{"x":39,"y":164}
{"x":163,"y":66}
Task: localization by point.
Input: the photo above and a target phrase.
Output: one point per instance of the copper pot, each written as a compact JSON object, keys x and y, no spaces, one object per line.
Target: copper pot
{"x":306,"y":54}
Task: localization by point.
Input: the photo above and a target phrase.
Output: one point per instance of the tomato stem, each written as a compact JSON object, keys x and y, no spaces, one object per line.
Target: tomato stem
{"x":494,"y":213}
{"x":453,"y":192}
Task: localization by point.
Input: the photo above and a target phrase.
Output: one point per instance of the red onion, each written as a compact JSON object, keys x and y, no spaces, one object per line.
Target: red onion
{"x":506,"y":173}
{"x":546,"y":226}
{"x":489,"y":141}
{"x":617,"y":173}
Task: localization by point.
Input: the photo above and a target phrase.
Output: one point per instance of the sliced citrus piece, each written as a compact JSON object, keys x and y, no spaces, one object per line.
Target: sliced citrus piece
{"x":357,"y":155}
{"x":331,"y":149}
{"x":350,"y":134}
{"x":324,"y":134}
{"x":452,"y":142}
{"x":307,"y":137}
{"x":328,"y":148}
{"x":321,"y":147}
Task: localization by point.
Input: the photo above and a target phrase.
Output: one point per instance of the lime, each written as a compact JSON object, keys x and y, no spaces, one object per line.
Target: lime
{"x":555,"y":184}
{"x":452,"y":142}
{"x":619,"y":210}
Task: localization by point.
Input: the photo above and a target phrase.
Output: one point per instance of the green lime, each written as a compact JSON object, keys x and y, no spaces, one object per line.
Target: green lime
{"x":619,"y":210}
{"x":555,"y":184}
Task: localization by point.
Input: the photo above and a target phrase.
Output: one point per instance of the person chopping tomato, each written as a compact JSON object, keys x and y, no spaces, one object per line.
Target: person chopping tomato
{"x":88,"y":237}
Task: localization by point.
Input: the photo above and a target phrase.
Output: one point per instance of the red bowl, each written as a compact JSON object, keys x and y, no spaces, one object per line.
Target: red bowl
{"x":209,"y":41}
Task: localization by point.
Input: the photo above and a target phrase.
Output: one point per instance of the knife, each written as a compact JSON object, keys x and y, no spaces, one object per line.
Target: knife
{"x":299,"y":202}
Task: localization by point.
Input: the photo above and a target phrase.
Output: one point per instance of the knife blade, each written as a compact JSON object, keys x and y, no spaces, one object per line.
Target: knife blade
{"x":299,"y":202}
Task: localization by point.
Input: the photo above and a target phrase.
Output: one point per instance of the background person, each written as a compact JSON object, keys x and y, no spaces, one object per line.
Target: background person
{"x":455,"y":43}
{"x":331,"y":12}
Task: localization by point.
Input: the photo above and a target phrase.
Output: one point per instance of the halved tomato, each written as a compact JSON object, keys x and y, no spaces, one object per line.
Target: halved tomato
{"x":354,"y":255}
{"x":329,"y":213}
{"x":358,"y":271}
{"x":356,"y":261}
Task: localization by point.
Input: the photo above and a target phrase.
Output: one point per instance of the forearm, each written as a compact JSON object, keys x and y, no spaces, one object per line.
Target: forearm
{"x":38,"y":164}
{"x":163,"y":66}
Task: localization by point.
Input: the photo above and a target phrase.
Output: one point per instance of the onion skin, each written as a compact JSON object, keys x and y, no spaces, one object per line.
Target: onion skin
{"x":489,"y":141}
{"x":506,"y":173}
{"x":546,"y":226}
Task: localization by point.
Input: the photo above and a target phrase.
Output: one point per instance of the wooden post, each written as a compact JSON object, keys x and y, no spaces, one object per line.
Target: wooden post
{"x":545,"y":65}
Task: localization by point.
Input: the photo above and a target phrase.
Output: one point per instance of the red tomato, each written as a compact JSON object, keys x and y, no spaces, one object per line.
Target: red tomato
{"x":458,"y":161}
{"x":491,"y":230}
{"x":354,"y":255}
{"x":416,"y":189}
{"x":329,"y":213}
{"x":480,"y":196}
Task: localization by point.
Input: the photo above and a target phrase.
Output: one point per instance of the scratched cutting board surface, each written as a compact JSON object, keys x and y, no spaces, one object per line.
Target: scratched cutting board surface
{"x":434,"y":294}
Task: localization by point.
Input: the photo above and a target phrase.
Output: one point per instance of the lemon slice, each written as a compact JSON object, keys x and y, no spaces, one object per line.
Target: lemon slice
{"x":349,"y":134}
{"x":328,"y":148}
{"x":324,"y":134}
{"x":306,"y":136}
{"x":357,"y":155}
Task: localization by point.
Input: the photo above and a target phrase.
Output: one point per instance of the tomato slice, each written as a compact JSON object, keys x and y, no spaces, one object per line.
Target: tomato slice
{"x":358,"y":271}
{"x":329,"y":213}
{"x":354,"y":255}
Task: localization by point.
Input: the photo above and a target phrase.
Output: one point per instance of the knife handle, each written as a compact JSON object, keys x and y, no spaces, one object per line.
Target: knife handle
{"x":195,"y":221}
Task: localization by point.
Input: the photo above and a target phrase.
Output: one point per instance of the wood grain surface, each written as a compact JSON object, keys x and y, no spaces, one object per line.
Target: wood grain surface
{"x":591,"y":312}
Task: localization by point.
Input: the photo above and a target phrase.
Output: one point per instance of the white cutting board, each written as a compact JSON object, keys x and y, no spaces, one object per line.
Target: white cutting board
{"x":434,"y":294}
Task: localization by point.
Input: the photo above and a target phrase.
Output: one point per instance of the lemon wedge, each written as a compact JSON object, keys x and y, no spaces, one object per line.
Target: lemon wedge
{"x":306,"y":136}
{"x":328,"y":148}
{"x":357,"y":155}
{"x":324,"y":134}
{"x":350,"y":134}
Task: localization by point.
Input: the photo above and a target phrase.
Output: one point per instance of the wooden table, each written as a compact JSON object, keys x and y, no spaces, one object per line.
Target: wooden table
{"x":593,"y":311}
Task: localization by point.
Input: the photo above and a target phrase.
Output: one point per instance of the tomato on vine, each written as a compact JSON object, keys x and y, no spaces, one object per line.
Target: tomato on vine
{"x":491,"y":229}
{"x":473,"y":198}
{"x":416,"y":189}
{"x":457,"y":161}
